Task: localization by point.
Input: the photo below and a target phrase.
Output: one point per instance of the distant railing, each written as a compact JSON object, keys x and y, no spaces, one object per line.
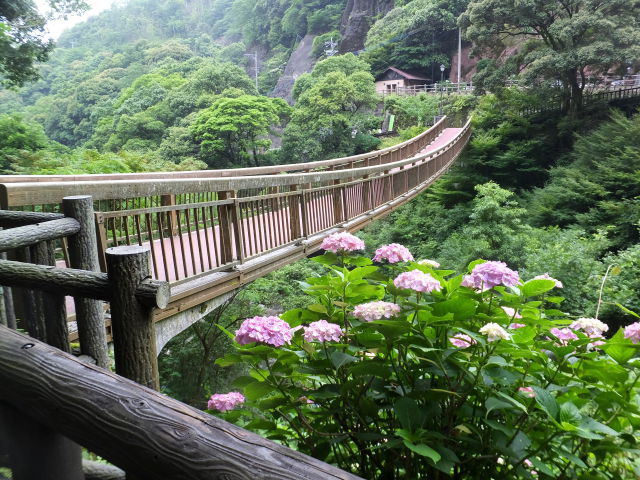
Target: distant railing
{"x":434,"y":88}
{"x":558,"y":104}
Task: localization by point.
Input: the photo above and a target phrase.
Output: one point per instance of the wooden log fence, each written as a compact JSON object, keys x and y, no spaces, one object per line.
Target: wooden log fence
{"x":149,"y":435}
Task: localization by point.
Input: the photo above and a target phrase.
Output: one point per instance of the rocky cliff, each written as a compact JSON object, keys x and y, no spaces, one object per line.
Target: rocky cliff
{"x":357,"y":18}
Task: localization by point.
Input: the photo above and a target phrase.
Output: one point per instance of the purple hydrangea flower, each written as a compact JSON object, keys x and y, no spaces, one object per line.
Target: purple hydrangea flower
{"x":270,"y":330}
{"x":462,"y":340}
{"x":342,"y":242}
{"x":393,"y":253}
{"x":417,"y":281}
{"x":633,"y":332}
{"x":225,"y":401}
{"x":322,"y":331}
{"x":490,"y":274}
{"x":375,"y":311}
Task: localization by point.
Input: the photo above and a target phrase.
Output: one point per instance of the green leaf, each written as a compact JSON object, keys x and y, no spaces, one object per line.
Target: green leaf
{"x":359,"y":262}
{"x":592,"y":425}
{"x":317,"y":308}
{"x":524,"y":335}
{"x":339,"y":358}
{"x":546,"y":401}
{"x":533,"y":288}
{"x":512,"y":401}
{"x":424,"y":450}
{"x":493,"y":403}
{"x":626,"y":310}
{"x":541,"y":467}
{"x":619,"y":348}
{"x":257,"y":390}
{"x":472,"y":265}
{"x":410,"y":415}
{"x":569,"y":413}
{"x":328,"y":258}
{"x":462,"y":308}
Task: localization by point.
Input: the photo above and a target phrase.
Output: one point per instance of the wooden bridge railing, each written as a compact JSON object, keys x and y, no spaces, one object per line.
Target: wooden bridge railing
{"x":378,"y":157}
{"x":207,"y":224}
{"x":557,"y":104}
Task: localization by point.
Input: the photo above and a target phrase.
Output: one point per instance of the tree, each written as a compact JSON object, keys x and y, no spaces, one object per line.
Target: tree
{"x":562,"y":41}
{"x":232,"y":127}
{"x":22,"y":41}
{"x":417,"y":35}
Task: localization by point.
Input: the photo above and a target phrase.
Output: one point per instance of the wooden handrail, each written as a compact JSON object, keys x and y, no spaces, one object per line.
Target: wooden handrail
{"x":38,"y":193}
{"x":434,"y":131}
{"x":149,"y":435}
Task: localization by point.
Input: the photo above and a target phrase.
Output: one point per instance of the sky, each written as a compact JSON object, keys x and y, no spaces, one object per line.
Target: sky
{"x":56,"y":27}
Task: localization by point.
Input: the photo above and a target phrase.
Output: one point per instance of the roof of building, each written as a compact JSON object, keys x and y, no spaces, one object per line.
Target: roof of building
{"x":406,"y":75}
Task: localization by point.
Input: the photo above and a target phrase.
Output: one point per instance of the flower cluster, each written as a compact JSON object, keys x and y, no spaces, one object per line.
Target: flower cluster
{"x":225,"y":401}
{"x":528,"y":391}
{"x":461,"y":340}
{"x":418,"y":281}
{"x":342,"y":242}
{"x":592,"y":327}
{"x":490,"y":274}
{"x":494,"y":332}
{"x":633,"y":332}
{"x":563,"y":334}
{"x":431,"y":263}
{"x":375,"y":311}
{"x":393,"y":253}
{"x":270,"y":330}
{"x":545,"y":276}
{"x":322,"y":331}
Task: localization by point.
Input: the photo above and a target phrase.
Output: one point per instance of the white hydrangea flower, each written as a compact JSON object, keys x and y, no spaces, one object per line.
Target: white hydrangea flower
{"x":494,"y":332}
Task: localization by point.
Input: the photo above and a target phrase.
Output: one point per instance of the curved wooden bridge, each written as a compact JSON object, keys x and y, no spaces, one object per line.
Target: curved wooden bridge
{"x":211,"y":232}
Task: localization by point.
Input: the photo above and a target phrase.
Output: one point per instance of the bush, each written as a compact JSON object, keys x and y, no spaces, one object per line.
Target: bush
{"x":470,"y":376}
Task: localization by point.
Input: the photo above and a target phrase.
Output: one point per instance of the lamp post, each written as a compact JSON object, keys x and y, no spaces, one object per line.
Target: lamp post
{"x":441,"y":87}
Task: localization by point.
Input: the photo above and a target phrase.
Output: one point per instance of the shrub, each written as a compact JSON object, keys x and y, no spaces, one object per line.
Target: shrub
{"x":410,"y":371}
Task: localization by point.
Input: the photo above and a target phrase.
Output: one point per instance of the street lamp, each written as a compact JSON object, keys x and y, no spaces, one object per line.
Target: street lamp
{"x":441,"y":88}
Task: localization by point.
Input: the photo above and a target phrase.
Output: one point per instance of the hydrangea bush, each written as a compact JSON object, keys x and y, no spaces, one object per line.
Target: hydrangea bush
{"x":403,"y":370}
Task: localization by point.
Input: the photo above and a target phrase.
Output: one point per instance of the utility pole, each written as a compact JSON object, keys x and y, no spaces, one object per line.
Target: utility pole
{"x":459,"y":54}
{"x":330,"y":48}
{"x":255,"y":59}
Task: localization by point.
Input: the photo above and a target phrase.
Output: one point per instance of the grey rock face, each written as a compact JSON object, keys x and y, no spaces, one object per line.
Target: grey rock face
{"x":357,"y":18}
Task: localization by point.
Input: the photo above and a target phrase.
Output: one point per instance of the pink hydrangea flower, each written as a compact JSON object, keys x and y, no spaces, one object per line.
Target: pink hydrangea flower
{"x":461,"y":340}
{"x":418,"y":281}
{"x":342,"y":242}
{"x":564,"y":335}
{"x":225,"y":401}
{"x":490,"y":274}
{"x":592,"y":327}
{"x":495,"y":332}
{"x":545,"y":276}
{"x":322,"y":331}
{"x":511,"y":312}
{"x":270,"y":330}
{"x":515,"y":326}
{"x":528,"y":391}
{"x":375,"y":311}
{"x":393,"y":253}
{"x":633,"y":332}
{"x":431,"y":263}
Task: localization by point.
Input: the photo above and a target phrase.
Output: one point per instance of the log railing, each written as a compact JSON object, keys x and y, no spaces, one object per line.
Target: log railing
{"x":51,"y":402}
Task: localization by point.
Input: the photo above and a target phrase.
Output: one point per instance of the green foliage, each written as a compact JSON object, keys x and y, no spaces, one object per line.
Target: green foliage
{"x":320,"y":40}
{"x":233,"y":127}
{"x":333,"y":111}
{"x":394,"y":398}
{"x":18,"y":137}
{"x":412,"y":110}
{"x":563,"y":42}
{"x":22,"y":43}
{"x":606,"y":198}
{"x":417,"y":35}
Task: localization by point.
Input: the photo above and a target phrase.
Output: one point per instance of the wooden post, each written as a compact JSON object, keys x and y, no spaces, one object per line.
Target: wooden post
{"x":134,"y":336}
{"x":50,"y":308}
{"x":9,"y":309}
{"x":37,"y":452}
{"x":169,"y":201}
{"x":101,"y":238}
{"x":295,"y":204}
{"x":83,"y":255}
{"x":226,"y":216}
{"x":338,"y":204}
